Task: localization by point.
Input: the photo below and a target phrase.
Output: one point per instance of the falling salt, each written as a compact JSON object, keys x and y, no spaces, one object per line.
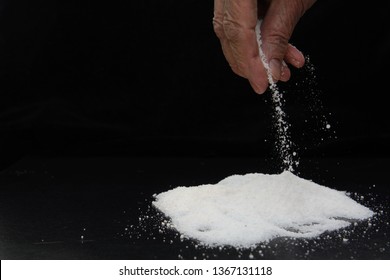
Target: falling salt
{"x":244,"y":210}
{"x":284,"y":143}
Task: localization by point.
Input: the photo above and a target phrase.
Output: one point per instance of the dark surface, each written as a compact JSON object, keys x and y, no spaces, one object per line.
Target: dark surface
{"x":100,"y":208}
{"x":104,"y":104}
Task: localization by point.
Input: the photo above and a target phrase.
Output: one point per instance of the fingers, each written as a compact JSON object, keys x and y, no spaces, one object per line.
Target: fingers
{"x":239,"y":22}
{"x":234,"y":24}
{"x":277,"y":27}
{"x":285,"y":72}
{"x":218,"y":28}
{"x":294,"y":56}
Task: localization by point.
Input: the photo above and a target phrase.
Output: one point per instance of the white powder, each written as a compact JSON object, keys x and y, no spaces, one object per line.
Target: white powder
{"x":284,"y":144}
{"x":243,"y":210}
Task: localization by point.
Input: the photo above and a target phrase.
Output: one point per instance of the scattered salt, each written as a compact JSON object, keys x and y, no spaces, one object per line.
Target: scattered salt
{"x":244,"y":210}
{"x":283,"y":139}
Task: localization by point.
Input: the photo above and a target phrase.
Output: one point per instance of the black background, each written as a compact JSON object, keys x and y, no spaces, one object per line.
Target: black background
{"x":104,"y":104}
{"x":149,"y":78}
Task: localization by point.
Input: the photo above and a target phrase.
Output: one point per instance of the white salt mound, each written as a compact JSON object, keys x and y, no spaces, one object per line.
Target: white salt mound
{"x":243,"y":210}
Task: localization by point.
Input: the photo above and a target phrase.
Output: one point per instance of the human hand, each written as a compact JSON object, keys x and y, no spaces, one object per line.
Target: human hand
{"x":234,"y":24}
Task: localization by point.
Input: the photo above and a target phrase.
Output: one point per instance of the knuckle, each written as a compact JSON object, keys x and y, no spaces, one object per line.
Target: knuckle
{"x":278,"y":42}
{"x":232,"y":29}
{"x":218,"y":28}
{"x":279,"y":39}
{"x":301,"y":7}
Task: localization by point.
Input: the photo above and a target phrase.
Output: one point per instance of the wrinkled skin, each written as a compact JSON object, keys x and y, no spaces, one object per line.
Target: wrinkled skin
{"x":234,"y":24}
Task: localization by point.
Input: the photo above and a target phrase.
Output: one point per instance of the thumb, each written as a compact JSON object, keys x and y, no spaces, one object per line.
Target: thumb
{"x":278,"y":24}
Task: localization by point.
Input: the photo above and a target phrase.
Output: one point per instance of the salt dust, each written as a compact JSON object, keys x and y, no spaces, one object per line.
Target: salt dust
{"x":284,"y":145}
{"x":244,"y":210}
{"x":319,"y":126}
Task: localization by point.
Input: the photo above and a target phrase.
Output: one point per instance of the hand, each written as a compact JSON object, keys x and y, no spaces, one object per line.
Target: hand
{"x":234,"y":24}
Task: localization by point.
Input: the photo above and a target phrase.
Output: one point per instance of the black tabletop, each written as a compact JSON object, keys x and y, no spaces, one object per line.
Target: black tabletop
{"x":100,"y":208}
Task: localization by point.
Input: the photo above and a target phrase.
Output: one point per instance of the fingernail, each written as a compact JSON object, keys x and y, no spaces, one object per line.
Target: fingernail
{"x":282,"y":71}
{"x":297,"y":63}
{"x":276,"y":68}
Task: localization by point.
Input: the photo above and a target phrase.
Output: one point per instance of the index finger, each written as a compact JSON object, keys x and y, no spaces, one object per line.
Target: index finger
{"x":239,"y":22}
